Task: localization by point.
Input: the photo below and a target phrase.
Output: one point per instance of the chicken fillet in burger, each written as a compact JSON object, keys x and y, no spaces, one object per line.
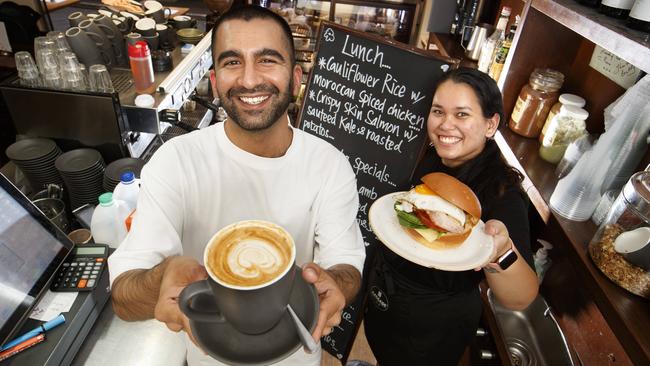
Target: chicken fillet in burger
{"x":440,"y":213}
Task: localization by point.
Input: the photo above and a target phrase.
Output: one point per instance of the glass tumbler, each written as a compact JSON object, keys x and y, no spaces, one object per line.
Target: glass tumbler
{"x":27,"y":70}
{"x":99,"y":79}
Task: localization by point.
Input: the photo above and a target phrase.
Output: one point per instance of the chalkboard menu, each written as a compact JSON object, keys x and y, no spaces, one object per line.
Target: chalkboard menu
{"x":370,"y":97}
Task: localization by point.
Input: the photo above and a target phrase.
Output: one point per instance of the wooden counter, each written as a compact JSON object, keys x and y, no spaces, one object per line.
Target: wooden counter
{"x":58,"y":4}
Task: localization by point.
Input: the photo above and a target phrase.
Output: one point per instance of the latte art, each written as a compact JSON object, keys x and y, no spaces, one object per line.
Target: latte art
{"x":254,"y":259}
{"x":250,"y":255}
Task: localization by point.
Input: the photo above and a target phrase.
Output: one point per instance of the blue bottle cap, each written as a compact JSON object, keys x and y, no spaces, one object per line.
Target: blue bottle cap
{"x":127,"y":177}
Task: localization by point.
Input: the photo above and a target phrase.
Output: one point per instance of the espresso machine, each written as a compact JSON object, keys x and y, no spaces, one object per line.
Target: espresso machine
{"x":111,"y":122}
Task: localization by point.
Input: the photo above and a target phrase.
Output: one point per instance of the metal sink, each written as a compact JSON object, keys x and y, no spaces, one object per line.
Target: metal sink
{"x":532,"y":336}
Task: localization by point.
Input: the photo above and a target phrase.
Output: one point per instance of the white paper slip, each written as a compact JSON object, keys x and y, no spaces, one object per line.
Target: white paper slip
{"x":53,"y":304}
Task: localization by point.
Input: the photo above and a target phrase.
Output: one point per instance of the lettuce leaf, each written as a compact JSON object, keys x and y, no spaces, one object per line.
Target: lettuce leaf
{"x":408,"y":219}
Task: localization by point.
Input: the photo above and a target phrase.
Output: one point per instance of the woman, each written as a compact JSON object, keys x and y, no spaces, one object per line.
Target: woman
{"x":422,"y":316}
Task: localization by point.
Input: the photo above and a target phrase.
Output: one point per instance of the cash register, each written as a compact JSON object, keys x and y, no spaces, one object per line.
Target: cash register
{"x":31,"y":251}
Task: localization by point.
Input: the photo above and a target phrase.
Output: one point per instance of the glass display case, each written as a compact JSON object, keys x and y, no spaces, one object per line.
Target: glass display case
{"x":393,"y":19}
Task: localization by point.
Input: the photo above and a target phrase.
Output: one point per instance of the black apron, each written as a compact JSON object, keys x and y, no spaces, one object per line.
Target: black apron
{"x":410,"y":324}
{"x":422,"y":316}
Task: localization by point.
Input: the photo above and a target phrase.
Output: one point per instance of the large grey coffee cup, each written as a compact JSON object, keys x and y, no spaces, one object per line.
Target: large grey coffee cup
{"x":75,"y":18}
{"x":114,"y":35}
{"x":183,"y":21}
{"x":100,"y":38}
{"x":85,"y":48}
{"x":145,"y":26}
{"x":123,"y":24}
{"x":107,"y":26}
{"x":165,"y":35}
{"x":159,"y":15}
{"x":152,"y":41}
{"x":250,"y":310}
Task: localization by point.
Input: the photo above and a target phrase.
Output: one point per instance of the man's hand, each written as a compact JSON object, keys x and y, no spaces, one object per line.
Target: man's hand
{"x":178,"y":273}
{"x":336,"y":287}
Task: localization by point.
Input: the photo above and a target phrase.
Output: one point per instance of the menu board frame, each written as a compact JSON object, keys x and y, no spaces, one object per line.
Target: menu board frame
{"x":387,"y":112}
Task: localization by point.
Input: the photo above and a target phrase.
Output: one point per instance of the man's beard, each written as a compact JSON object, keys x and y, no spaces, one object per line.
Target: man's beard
{"x":259,"y":120}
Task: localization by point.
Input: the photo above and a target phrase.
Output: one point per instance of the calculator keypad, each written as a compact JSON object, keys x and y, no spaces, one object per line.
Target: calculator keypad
{"x":78,"y":275}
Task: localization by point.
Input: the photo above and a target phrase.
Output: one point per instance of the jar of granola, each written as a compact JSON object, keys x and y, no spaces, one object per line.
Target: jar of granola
{"x":621,"y":241}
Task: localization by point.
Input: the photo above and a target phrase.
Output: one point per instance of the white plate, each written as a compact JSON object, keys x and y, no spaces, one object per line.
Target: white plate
{"x":472,"y":253}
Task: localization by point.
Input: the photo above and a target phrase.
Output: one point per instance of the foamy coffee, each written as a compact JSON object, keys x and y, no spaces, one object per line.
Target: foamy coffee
{"x":250,"y":253}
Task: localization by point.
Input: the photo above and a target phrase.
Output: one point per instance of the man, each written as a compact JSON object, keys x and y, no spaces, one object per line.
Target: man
{"x":252,"y":166}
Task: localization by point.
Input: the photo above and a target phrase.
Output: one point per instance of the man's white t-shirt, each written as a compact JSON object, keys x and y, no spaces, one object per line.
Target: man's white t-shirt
{"x":198,"y":183}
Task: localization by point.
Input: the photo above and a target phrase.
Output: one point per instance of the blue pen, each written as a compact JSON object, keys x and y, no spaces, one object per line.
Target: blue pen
{"x":36,"y":331}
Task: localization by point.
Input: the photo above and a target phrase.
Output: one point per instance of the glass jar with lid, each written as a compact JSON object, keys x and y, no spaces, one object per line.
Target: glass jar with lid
{"x":620,"y":246}
{"x":534,"y":102}
{"x":565,"y":99}
{"x":566,"y":127}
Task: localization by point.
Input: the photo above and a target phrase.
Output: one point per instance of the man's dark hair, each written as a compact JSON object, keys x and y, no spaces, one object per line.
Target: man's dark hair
{"x":485,"y":88}
{"x":249,"y":12}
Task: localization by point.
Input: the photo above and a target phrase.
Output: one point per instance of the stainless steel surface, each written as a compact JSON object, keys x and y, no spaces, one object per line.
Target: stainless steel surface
{"x":532,"y":336}
{"x":487,"y":355}
{"x":113,"y":341}
{"x":110,"y":123}
{"x":305,"y":337}
{"x":182,"y":81}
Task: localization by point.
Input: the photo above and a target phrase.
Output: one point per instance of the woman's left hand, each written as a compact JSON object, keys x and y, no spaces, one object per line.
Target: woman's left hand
{"x":502,"y":242}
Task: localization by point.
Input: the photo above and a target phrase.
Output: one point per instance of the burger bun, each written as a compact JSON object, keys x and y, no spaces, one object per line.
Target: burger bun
{"x":454,"y":191}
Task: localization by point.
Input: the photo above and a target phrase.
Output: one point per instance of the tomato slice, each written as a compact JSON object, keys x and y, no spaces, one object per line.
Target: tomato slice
{"x":424,"y":217}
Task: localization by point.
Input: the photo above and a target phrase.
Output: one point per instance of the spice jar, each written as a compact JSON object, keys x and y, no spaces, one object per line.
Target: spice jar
{"x":622,"y":237}
{"x":565,"y":99}
{"x":566,"y":127}
{"x":534,"y":102}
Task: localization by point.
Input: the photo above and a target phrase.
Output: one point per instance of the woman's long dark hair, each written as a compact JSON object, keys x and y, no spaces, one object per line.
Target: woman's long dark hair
{"x":480,"y":174}
{"x":486,"y":89}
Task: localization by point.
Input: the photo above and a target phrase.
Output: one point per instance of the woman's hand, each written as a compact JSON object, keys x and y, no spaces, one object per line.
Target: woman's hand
{"x":502,"y":243}
{"x":515,"y":287}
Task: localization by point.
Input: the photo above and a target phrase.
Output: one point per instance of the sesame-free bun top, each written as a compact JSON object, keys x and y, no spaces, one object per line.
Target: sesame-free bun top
{"x":454,"y":191}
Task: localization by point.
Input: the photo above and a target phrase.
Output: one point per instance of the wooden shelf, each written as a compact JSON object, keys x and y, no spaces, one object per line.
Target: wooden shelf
{"x":627,"y":314}
{"x":561,"y":34}
{"x":612,"y":34}
{"x":450,"y":46}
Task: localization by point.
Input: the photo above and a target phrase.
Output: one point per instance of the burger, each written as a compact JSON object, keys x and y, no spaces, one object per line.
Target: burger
{"x":440,"y":213}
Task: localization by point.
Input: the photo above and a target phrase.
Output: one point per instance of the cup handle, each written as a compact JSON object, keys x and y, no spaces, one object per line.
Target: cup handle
{"x":110,"y":34}
{"x":189,"y":293}
{"x":99,"y":41}
{"x":167,"y":12}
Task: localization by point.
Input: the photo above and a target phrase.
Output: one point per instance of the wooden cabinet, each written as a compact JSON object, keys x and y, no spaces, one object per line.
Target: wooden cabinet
{"x":562,"y":34}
